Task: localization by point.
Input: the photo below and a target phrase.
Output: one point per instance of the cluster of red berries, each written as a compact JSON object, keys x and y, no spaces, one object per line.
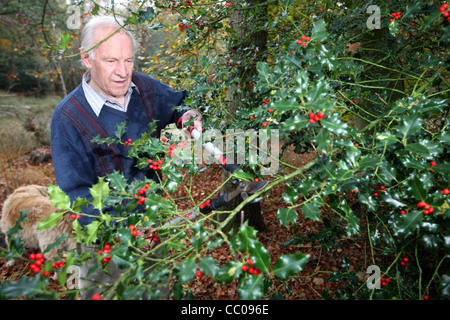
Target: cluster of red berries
{"x":385,"y":281}
{"x":134,"y":232}
{"x":426,"y":207}
{"x":445,"y":12}
{"x":228,"y":4}
{"x":303,"y":41}
{"x":433,"y":164}
{"x":404,"y":261}
{"x":155,"y":165}
{"x":128,"y":142}
{"x":105,"y":253}
{"x":153,"y":237}
{"x":75,"y":216}
{"x":313,"y":118}
{"x":179,"y":146}
{"x":188,"y":3}
{"x":382,"y":188}
{"x":39,"y":260}
{"x":183,"y":27}
{"x":265,"y":102}
{"x":249,"y":267}
{"x":396,"y":16}
{"x":141,"y":194}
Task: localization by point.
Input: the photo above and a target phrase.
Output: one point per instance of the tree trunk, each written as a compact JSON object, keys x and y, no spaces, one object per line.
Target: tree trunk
{"x":255,"y":40}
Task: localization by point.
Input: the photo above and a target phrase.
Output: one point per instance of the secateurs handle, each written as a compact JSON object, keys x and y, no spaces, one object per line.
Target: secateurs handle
{"x":214,"y":151}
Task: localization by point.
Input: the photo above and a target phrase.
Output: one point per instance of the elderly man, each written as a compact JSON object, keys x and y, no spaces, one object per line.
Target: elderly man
{"x":110,"y":93}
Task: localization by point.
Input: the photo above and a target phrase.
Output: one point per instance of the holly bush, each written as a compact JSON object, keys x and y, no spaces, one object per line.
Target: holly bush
{"x":368,"y":100}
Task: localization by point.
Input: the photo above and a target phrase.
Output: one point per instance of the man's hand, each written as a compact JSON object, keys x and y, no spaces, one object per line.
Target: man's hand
{"x":188,"y":115}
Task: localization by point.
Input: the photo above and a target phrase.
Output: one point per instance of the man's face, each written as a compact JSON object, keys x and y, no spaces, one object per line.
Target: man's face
{"x":112,"y":66}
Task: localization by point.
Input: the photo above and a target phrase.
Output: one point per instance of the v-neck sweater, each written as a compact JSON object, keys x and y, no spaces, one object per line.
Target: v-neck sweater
{"x":79,"y":162}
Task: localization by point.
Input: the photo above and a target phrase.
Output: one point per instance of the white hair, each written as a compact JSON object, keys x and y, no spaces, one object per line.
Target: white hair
{"x":98,"y":22}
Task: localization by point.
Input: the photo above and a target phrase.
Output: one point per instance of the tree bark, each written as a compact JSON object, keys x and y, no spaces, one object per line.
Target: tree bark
{"x":256,"y":40}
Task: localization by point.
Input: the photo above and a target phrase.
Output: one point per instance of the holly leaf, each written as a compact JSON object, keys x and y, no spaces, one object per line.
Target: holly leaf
{"x":229,"y":272}
{"x":409,"y":222}
{"x":208,"y":266}
{"x":117,"y":181}
{"x":408,"y":126}
{"x":120,"y":129}
{"x":263,"y":70}
{"x":287,"y":216}
{"x":318,"y":32}
{"x":260,"y":255}
{"x":335,"y":125}
{"x":186,"y":270}
{"x":65,"y":40}
{"x":98,"y":192}
{"x":58,"y":197}
{"x":289,"y":265}
{"x":393,"y":27}
{"x":24,"y":287}
{"x":251,"y":288}
{"x":295,"y":123}
{"x":51,"y":221}
{"x":311,"y":209}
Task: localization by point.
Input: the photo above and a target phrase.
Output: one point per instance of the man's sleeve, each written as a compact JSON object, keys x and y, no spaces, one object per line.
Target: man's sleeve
{"x":171,"y":105}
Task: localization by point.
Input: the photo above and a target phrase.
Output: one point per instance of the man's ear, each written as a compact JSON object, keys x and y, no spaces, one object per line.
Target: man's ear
{"x":87,"y":61}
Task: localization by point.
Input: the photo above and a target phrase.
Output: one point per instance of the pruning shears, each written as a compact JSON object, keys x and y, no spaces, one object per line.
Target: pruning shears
{"x":243,"y":188}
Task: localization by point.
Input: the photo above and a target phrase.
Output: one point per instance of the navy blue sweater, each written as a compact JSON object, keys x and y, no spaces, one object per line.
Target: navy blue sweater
{"x":78,"y":162}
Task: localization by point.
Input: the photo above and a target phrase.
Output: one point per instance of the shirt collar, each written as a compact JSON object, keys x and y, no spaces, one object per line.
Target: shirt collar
{"x":97,"y":100}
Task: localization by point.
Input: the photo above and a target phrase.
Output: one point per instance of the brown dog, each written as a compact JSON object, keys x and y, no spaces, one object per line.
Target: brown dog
{"x":36,"y":199}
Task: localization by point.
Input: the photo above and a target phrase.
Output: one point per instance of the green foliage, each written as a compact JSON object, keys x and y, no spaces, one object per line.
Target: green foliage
{"x":381,"y":147}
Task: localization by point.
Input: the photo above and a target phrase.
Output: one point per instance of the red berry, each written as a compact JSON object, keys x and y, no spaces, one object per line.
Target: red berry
{"x":250,"y":262}
{"x":96,"y":297}
{"x":433,"y":163}
{"x":134,"y":233}
{"x":446,"y":191}
{"x":244,"y":268}
{"x":420,"y":204}
{"x":403,"y":212}
{"x":264,"y":124}
{"x":32,"y":256}
{"x":198,"y":273}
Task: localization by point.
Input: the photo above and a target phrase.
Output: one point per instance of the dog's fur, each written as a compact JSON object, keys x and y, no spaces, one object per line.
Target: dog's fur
{"x":36,"y":199}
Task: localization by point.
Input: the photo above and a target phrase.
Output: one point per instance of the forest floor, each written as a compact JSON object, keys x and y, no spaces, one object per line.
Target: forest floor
{"x":311,"y":284}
